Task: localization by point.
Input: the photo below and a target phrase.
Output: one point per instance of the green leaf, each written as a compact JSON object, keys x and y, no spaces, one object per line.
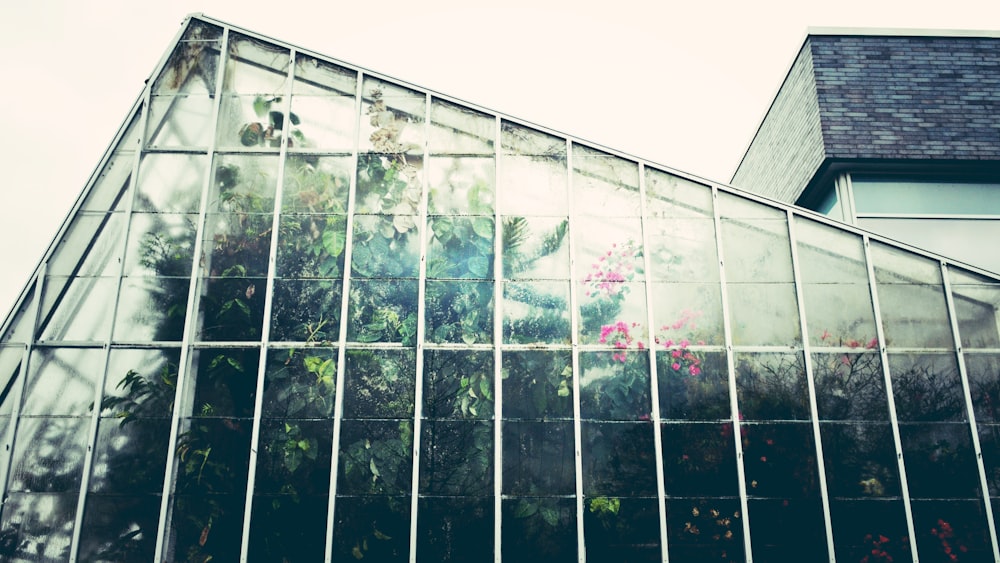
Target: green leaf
{"x":468,"y":338}
{"x":260,"y":106}
{"x":550,"y":515}
{"x":479,"y":266}
{"x":294,"y":118}
{"x":374,"y":469}
{"x":525,"y":509}
{"x":333,"y":241}
{"x":483,"y":226}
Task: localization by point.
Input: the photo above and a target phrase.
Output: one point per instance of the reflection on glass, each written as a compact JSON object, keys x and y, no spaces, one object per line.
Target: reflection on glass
{"x":939,"y":460}
{"x":705,"y":530}
{"x":624,"y":530}
{"x":860,"y":460}
{"x":457,"y":458}
{"x":850,"y":386}
{"x":927,"y":387}
{"x":119,"y":528}
{"x":455,"y":529}
{"x":618,"y":459}
{"x":538,"y":458}
{"x":37,"y":527}
{"x":537,"y":385}
{"x":614,"y":386}
{"x":535,"y":247}
{"x":694,"y":385}
{"x":699,"y":460}
{"x":375,"y":528}
{"x":379,"y":384}
{"x":772,"y":386}
{"x":541,"y":529}
{"x":536,"y":312}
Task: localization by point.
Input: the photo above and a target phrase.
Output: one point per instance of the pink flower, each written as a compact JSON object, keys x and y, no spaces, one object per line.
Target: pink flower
{"x":825,"y":335}
{"x":676,"y":366}
{"x":685,"y":343}
{"x":676,"y":353}
{"x":695,"y":370}
{"x":640,"y":345}
{"x":872,"y":344}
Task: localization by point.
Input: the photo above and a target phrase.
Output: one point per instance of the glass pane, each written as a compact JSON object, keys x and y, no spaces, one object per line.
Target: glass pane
{"x":537,"y":385}
{"x":383,"y":311}
{"x":456,"y":458}
{"x":668,"y":195}
{"x":372,"y":528}
{"x":459,"y":529}
{"x":860,"y":460}
{"x":625,"y":530}
{"x":984,"y":385}
{"x":375,"y":458}
{"x":460,"y":247}
{"x":140,"y":383}
{"x":90,"y":247}
{"x":306,"y":310}
{"x":459,"y":130}
{"x":536,"y":312}
{"x":535,"y":248}
{"x":614,"y":387}
{"x":940,"y":462}
{"x":694,"y":384}
{"x":254,"y":66}
{"x":459,"y":312}
{"x":764,"y":314}
{"x":872,"y":529}
{"x":946,"y":528}
{"x":379,"y":384}
{"x":170,"y":183}
{"x":311,"y":246}
{"x":48,"y":454}
{"x":618,"y":459}
{"x":977,"y":300}
{"x":538,"y":458}
{"x":39,"y":526}
{"x":462,"y":185}
{"x":179,"y":121}
{"x":288,"y":528}
{"x":119,"y":528}
{"x":614,"y":314}
{"x":874,"y":194}
{"x":927,"y":387}
{"x":225,"y":381}
{"x":705,"y":530}
{"x":160,"y":244}
{"x":62,"y":381}
{"x":314,"y":184}
{"x":386,"y":246}
{"x":389,"y":184}
{"x":293,"y":462}
{"x":323,"y":103}
{"x":232,"y":309}
{"x":603,"y":184}
{"x":699,"y":459}
{"x":130,"y":456}
{"x":533,"y":177}
{"x":79,"y":308}
{"x":683,"y":250}
{"x":772,"y":386}
{"x":192,"y":66}
{"x":787,"y":530}
{"x":458,"y":384}
{"x":850,"y":386}
{"x":151,"y":309}
{"x":395,"y":118}
{"x":755,"y":242}
{"x":315,"y":77}
{"x":300,"y":383}
{"x":780,"y":460}
{"x":687,"y":312}
{"x":540,"y":529}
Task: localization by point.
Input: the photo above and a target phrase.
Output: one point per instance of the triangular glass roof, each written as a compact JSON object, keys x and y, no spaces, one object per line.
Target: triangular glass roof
{"x":328,"y":315}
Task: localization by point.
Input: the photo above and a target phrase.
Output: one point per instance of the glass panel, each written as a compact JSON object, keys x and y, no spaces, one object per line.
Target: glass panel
{"x":614,"y":314}
{"x":300,"y":383}
{"x":140,"y":383}
{"x":192,"y":66}
{"x":130,"y":455}
{"x":288,"y":528}
{"x":48,"y":454}
{"x":459,"y":312}
{"x":764,"y":314}
{"x":687,"y":312}
{"x":625,"y":530}
{"x":314,"y":184}
{"x":225,"y":381}
{"x":170,"y":183}
{"x":683,"y":249}
{"x":315,"y":77}
{"x":160,"y":244}
{"x":927,"y":387}
{"x":755,"y":241}
{"x":772,"y":386}
{"x":532,"y":177}
{"x":179,"y":121}
{"x":538,"y":458}
{"x":151,"y":309}
{"x":311,"y":246}
{"x":460,"y":247}
{"x":379,"y":383}
{"x":232,"y":309}
{"x":860,"y":460}
{"x":787,"y":530}
{"x":306,"y":310}
{"x":323,"y":103}
{"x":462,"y":186}
{"x":458,"y":384}
{"x":395,"y":123}
{"x":119,"y":528}
{"x":62,"y":381}
{"x":459,"y":529}
{"x":875,"y":194}
{"x":456,"y":458}
{"x":850,"y":386}
{"x":705,"y":530}
{"x":537,"y":385}
{"x":940,"y":462}
{"x":780,"y":460}
{"x":460,"y":130}
{"x":375,"y":458}
{"x":90,"y":247}
{"x":699,"y":459}
{"x":984,"y":385}
{"x":872,"y":529}
{"x":255,"y":67}
{"x":614,"y":387}
{"x":38,"y":527}
{"x":386,"y":246}
{"x":372,"y":527}
{"x":540,"y":529}
{"x":946,"y":528}
{"x":668,"y":195}
{"x":80,"y":308}
{"x":989,"y":441}
{"x":976,"y":301}
{"x":112,"y":182}
{"x":535,"y":248}
{"x":603,"y":184}
{"x":618,"y":459}
{"x":536,"y":312}
{"x":694,"y":384}
{"x":383,"y":311}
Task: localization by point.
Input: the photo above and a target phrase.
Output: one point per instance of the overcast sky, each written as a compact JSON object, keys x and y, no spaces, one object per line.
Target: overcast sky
{"x":683,"y":84}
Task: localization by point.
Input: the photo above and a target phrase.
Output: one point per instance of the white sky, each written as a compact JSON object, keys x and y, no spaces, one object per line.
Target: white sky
{"x":684,"y":84}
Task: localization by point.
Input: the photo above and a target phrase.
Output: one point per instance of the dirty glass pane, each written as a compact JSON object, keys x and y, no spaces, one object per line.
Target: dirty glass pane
{"x":860,"y":460}
{"x":39,"y":526}
{"x":541,"y":529}
{"x":119,"y":528}
{"x":225,"y":381}
{"x":237,"y":244}
{"x":699,"y":459}
{"x":151,"y":309}
{"x":694,"y":384}
{"x":140,"y":383}
{"x":538,"y":458}
{"x":130,"y":455}
{"x":218,"y":518}
{"x":389,"y":184}
{"x":613,"y":314}
{"x":386,"y":246}
{"x":984,"y":385}
{"x":537,"y":385}
{"x":614,"y":386}
{"x":911,"y":299}
{"x":687,"y":312}
{"x":787,"y":530}
{"x":315,"y":77}
{"x":48,"y":454}
{"x":459,"y":312}
{"x":306,"y":310}
{"x":764,"y":314}
{"x":455,"y":529}
{"x":533,"y":177}
{"x":625,"y":530}
{"x":603,"y":184}
{"x":293,"y":463}
{"x":314,"y":184}
{"x":288,"y":527}
{"x":80,"y":308}
{"x":256,"y":122}
{"x":112,"y":183}
{"x":829,"y":255}
{"x":323,"y":104}
{"x":839,"y":314}
{"x":850,"y":386}
{"x":379,"y":384}
{"x":705,"y":529}
{"x":668,"y":195}
{"x":462,"y":185}
{"x":977,"y":300}
{"x":780,"y":460}
{"x":458,"y":384}
{"x":192,"y":66}
{"x":755,"y":242}
{"x":255,"y":67}
{"x":927,"y":387}
{"x":460,"y":247}
{"x":867,"y":528}
{"x":383,"y":311}
{"x":989,"y":441}
{"x":179,"y":121}
{"x":940,"y":462}
{"x":609,"y":250}
{"x":232,"y":308}
{"x":61,"y":381}
{"x":90,"y":247}
{"x":170,"y":183}
{"x":683,"y":250}
{"x":456,"y":458}
{"x":311,"y":246}
{"x":375,"y":457}
{"x":160,"y":244}
{"x":536,"y":312}
{"x":244,"y":185}
{"x":300,"y":383}
{"x":392,"y":118}
{"x":460,"y":130}
{"x":535,"y":247}
{"x":618,"y":459}
{"x":772,"y":386}
{"x":950,"y":527}
{"x":374,"y":528}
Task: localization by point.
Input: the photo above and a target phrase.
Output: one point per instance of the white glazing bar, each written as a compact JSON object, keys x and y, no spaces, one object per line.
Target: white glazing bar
{"x":574,"y":308}
{"x":265,"y":333}
{"x":647,"y":265}
{"x":497,"y":355}
{"x":338,"y":398}
{"x":813,"y":405}
{"x":95,"y":417}
{"x":418,"y":386}
{"x":970,"y":411}
{"x":897,"y":441}
{"x":734,"y":406}
{"x":191,"y":314}
{"x":851,"y":214}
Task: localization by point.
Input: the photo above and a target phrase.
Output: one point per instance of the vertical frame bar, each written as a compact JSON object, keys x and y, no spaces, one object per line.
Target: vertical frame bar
{"x":497,"y":354}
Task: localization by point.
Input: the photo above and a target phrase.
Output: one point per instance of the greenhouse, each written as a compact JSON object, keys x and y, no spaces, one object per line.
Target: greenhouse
{"x":306,"y":312}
